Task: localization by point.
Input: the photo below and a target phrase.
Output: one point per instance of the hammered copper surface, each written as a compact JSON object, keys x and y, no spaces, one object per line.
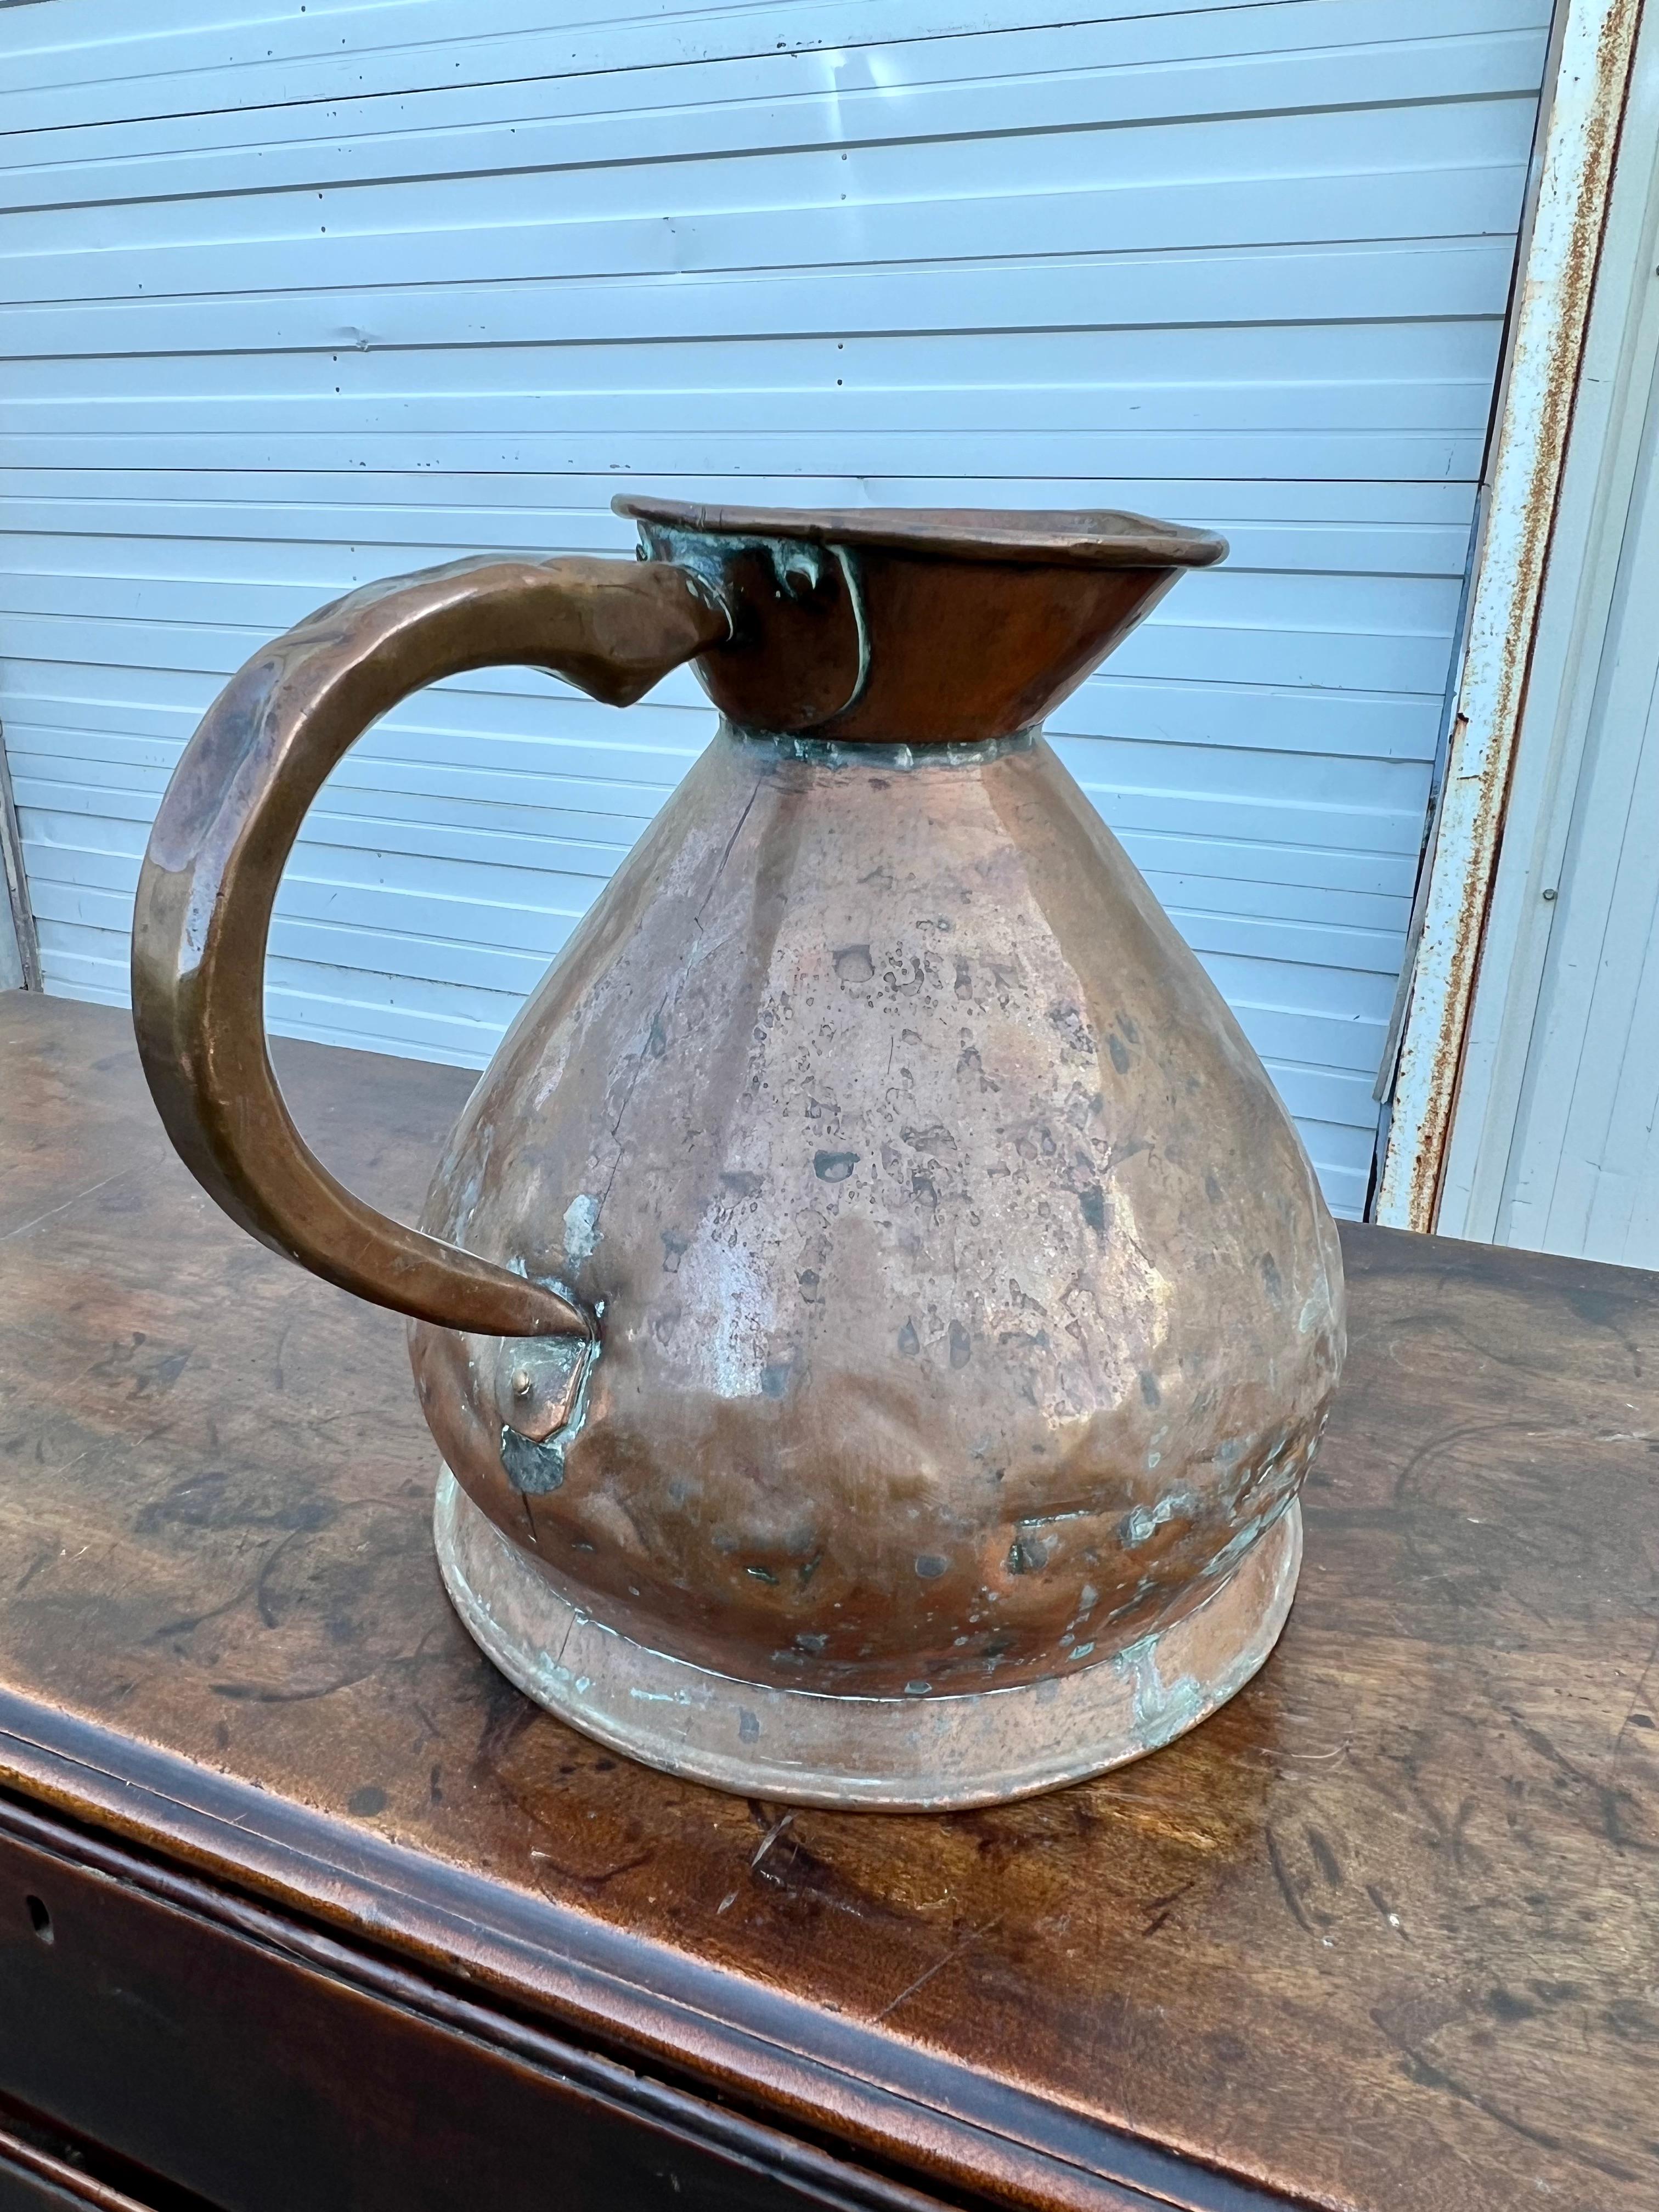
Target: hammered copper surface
{"x":969,"y":1301}
{"x":933,"y":1296}
{"x":900,"y":1754}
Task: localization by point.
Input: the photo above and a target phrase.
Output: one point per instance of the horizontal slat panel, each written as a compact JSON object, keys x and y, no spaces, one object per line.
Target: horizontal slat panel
{"x":84,"y":42}
{"x":1326,"y":106}
{"x":252,"y":60}
{"x":819,"y":451}
{"x":1371,"y":528}
{"x":569,"y":122}
{"x":303,"y":299}
{"x":713,"y":389}
{"x":807,"y":206}
{"x":1373,"y":283}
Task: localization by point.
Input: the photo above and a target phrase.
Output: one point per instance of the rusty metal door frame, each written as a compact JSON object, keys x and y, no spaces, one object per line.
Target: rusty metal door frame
{"x":1594,"y":48}
{"x":1564,"y":729}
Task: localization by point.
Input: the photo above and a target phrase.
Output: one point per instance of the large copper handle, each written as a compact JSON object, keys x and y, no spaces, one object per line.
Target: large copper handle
{"x":226,"y":827}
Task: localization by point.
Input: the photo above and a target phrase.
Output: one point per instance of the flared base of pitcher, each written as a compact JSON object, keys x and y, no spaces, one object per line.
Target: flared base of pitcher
{"x":906,"y":1754}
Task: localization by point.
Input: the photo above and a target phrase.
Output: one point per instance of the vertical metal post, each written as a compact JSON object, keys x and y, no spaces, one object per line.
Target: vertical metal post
{"x":20,"y":948}
{"x":1596,"y":43}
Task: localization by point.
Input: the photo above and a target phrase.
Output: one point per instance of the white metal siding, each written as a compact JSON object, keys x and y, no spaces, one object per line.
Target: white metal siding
{"x":1584,"y":1171}
{"x":309,"y":296}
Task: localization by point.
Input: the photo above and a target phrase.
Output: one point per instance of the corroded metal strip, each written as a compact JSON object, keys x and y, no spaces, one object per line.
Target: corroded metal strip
{"x":866,"y":755}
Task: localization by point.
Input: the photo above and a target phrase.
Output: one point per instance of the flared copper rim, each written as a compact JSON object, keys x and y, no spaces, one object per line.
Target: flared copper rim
{"x":1098,"y":538}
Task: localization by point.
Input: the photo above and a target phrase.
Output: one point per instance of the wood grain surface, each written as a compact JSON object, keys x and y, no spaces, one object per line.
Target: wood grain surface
{"x":1383,"y":1934}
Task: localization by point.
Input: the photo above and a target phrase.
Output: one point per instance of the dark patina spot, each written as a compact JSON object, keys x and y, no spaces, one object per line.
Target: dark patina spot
{"x":1027,"y":1555}
{"x":535,"y":1468}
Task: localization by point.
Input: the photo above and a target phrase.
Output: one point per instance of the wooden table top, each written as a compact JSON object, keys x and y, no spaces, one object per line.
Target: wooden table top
{"x":1383,"y":1934}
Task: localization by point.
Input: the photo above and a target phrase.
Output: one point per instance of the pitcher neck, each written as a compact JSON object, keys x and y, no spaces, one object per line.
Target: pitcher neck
{"x":913,"y":629}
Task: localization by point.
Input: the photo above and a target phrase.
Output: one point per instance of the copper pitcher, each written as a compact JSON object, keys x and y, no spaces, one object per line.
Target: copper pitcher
{"x":875,"y":1311}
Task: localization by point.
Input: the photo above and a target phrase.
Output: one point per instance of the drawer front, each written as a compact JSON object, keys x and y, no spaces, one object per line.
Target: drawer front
{"x":262,"y":2082}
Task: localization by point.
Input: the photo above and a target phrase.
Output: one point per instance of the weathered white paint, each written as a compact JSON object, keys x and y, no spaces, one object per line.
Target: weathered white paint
{"x":297,"y":300}
{"x":1596,"y":43}
{"x":1583,"y":1174}
{"x":1584,"y":642}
